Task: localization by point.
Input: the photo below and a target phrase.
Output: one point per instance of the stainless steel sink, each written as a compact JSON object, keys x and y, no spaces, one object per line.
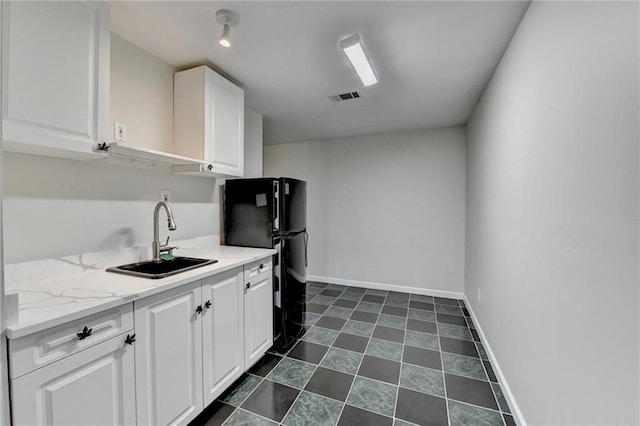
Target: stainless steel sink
{"x":155,"y":269}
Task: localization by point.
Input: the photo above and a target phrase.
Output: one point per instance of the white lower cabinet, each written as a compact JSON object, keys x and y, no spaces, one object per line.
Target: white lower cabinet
{"x":258,"y":315}
{"x":92,"y":387}
{"x":222,"y":333}
{"x":190,"y":344}
{"x":190,"y":347}
{"x":169,"y":356}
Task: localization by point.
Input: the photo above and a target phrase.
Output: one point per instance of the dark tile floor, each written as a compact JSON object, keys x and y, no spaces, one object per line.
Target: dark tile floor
{"x":371,"y":357}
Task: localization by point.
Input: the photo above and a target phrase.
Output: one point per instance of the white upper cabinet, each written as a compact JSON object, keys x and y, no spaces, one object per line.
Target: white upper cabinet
{"x":55,"y":87}
{"x":209,"y":120}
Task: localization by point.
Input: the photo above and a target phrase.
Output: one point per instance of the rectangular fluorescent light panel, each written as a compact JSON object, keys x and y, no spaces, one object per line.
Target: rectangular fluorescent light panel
{"x":354,"y":50}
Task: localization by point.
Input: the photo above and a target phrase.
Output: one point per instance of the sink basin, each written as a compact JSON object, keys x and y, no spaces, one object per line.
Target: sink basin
{"x":162,"y":268}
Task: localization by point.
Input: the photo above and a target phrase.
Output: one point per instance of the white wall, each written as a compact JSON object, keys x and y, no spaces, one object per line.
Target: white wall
{"x":4,"y":371}
{"x":552,"y":214}
{"x":252,"y":144}
{"x":383,"y":209}
{"x":56,"y":207}
{"x":141,"y":95}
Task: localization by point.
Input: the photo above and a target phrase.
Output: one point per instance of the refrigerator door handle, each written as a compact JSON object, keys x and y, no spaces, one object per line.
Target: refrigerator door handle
{"x":306,"y":246}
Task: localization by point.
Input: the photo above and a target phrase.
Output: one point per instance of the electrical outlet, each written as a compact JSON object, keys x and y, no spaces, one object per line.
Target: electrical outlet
{"x":120,"y":131}
{"x":165,"y":195}
{"x":479,"y":295}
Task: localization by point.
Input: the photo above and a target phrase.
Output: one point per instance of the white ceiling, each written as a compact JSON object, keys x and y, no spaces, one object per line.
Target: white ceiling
{"x":434,"y":58}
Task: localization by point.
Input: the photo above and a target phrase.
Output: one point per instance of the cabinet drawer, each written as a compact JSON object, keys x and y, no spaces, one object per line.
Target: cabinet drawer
{"x":39,"y":349}
{"x":252,"y":270}
{"x":93,"y":387}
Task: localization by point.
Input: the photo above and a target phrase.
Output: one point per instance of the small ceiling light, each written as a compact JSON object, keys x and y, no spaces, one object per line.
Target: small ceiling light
{"x":228,"y":19}
{"x":354,"y":50}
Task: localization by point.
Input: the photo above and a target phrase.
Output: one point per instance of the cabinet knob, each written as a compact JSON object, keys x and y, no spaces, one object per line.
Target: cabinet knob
{"x":199,"y":310}
{"x":261,"y":266}
{"x":130,"y":339}
{"x":210,"y":167}
{"x":86,"y":332}
{"x":207,"y":304}
{"x":248,"y":285}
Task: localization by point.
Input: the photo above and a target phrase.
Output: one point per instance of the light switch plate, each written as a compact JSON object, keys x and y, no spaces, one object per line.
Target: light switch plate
{"x":120,"y":131}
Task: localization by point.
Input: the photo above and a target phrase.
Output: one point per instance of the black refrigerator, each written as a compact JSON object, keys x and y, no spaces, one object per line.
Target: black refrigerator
{"x":272,"y":213}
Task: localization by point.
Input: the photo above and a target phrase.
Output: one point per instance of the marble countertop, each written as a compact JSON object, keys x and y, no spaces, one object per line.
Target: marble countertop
{"x":54,"y":291}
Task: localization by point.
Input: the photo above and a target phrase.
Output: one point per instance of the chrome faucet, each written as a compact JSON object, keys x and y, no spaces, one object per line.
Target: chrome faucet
{"x":156,"y":246}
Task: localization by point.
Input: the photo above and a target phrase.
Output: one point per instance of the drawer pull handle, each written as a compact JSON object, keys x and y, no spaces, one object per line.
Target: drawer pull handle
{"x":130,"y":339}
{"x":199,"y":310}
{"x":248,"y":286}
{"x":86,"y":332}
{"x":207,"y":304}
{"x":261,"y":266}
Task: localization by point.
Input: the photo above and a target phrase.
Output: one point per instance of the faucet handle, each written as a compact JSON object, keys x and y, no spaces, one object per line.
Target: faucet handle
{"x":165,"y":248}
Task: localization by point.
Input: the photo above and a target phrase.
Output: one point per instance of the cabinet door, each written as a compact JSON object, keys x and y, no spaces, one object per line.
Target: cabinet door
{"x":258,"y":317}
{"x":224,"y":136}
{"x":222,"y":332}
{"x":93,"y":387}
{"x":169,"y":356}
{"x":55,"y":77}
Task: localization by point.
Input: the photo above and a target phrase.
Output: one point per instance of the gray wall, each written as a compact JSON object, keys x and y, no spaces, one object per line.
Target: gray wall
{"x":384,"y":209}
{"x":552,"y":214}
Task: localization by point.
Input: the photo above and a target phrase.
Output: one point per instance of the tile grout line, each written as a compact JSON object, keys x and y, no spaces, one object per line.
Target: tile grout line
{"x":230,"y":415}
{"x":262,"y":379}
{"x":499,"y":411}
{"x":404,"y":340}
{"x":250,"y":392}
{"x":254,"y":414}
{"x":356,"y":372}
{"x":288,"y":352}
{"x":363,"y":354}
{"x":318,"y":366}
{"x":303,"y":385}
{"x":493,"y":392}
{"x":404,"y":334}
{"x":476,"y":406}
{"x":355,"y":375}
{"x":236,"y":408}
{"x":444,"y":379}
{"x":469,"y":321}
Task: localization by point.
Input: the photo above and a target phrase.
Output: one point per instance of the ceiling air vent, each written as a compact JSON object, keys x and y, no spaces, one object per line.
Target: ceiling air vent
{"x":345,"y":96}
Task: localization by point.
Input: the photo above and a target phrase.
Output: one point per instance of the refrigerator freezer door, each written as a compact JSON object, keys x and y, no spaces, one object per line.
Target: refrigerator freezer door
{"x":249,"y":212}
{"x":293,"y":205}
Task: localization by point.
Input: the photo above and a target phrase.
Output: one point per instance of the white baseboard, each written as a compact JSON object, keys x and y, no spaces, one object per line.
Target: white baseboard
{"x":513,"y":405}
{"x":390,"y":287}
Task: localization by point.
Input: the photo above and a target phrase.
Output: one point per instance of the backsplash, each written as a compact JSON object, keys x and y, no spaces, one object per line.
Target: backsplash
{"x":55,"y":208}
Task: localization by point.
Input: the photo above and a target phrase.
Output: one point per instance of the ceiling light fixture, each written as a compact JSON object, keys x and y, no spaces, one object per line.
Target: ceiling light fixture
{"x":228,"y":19}
{"x":354,"y":49}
